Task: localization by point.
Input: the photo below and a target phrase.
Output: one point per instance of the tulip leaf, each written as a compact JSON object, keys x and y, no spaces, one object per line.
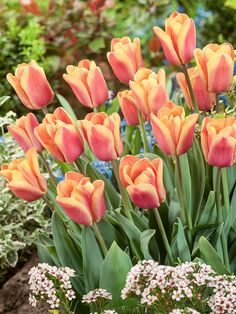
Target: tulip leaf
{"x":186,"y":180}
{"x":182,"y":244}
{"x":146,"y":245}
{"x":67,"y":251}
{"x":208,"y":215}
{"x":47,"y":251}
{"x":110,"y":233}
{"x":136,"y":142}
{"x":115,"y":268}
{"x":114,"y":106}
{"x":92,"y":259}
{"x":3,"y":99}
{"x":211,"y":257}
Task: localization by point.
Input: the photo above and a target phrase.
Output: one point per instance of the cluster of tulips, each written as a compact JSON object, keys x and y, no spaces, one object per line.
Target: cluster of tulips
{"x":140,"y":178}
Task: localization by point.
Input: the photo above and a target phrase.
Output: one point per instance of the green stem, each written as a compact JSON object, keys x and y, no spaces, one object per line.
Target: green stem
{"x":45,"y":110}
{"x":143,"y":133}
{"x":186,"y":212}
{"x":163,"y":235}
{"x":217,"y":103}
{"x":218,"y":196}
{"x":100,"y":238}
{"x":225,"y":189}
{"x":48,"y":169}
{"x":77,"y":166}
{"x":124,"y":195}
{"x":95,"y":109}
{"x":46,"y":200}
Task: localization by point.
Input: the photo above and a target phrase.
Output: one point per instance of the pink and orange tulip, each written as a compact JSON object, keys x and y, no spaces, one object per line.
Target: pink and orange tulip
{"x":102,"y":132}
{"x":60,"y":136}
{"x":143,"y":180}
{"x":205,"y":100}
{"x":31,"y":85}
{"x":24,"y":177}
{"x":23,"y":132}
{"x":216,"y":65}
{"x":218,"y":140}
{"x":87,"y":83}
{"x":173,"y":131}
{"x":125,"y":58}
{"x":82,"y":200}
{"x":149,"y":90}
{"x":128,"y":107}
{"x":179,"y":38}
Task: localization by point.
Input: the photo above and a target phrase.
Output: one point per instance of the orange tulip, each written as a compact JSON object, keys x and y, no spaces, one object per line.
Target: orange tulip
{"x":218,"y":139}
{"x":149,"y":90}
{"x":205,"y":100}
{"x":88,"y":83}
{"x":173,"y":131}
{"x":179,"y":38}
{"x":102,"y":132}
{"x":23,"y":132}
{"x":82,"y":200}
{"x":128,"y":107}
{"x":59,"y":136}
{"x":143,"y":180}
{"x":216,"y":66}
{"x":31,"y":6}
{"x":24,"y":177}
{"x":125,"y":58}
{"x":31,"y":85}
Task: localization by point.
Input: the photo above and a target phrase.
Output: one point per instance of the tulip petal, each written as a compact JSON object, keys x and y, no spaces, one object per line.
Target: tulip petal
{"x":121,"y":66}
{"x":187,"y":41}
{"x":20,"y":136}
{"x":24,"y":190}
{"x":98,"y":204}
{"x":98,"y":87}
{"x":222,"y":151}
{"x":156,"y":98}
{"x":144,"y":195}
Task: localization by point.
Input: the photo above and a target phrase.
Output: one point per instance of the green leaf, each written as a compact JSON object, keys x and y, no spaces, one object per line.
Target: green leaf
{"x":67,"y":251}
{"x":186,"y":180}
{"x":114,"y":106}
{"x":113,"y":274}
{"x":3,"y":99}
{"x":182,"y":244}
{"x":208,"y":215}
{"x":136,"y":142}
{"x":65,"y":104}
{"x":97,"y":44}
{"x":211,"y":257}
{"x":145,"y":238}
{"x":47,"y":251}
{"x":92,"y":259}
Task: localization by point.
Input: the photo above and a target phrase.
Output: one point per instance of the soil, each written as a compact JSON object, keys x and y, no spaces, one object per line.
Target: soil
{"x":15,"y":292}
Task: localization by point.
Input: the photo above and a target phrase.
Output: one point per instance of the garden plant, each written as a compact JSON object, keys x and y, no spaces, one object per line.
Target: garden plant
{"x":158,"y":233}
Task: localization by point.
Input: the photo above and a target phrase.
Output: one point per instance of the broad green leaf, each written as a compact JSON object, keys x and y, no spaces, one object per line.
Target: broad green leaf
{"x":208,"y":215}
{"x":92,"y":260}
{"x":186,"y":180}
{"x":136,"y":142}
{"x":47,"y":251}
{"x":145,"y":239}
{"x":114,"y":106}
{"x":182,"y":244}
{"x":97,"y":44}
{"x":113,"y":274}
{"x":211,"y":257}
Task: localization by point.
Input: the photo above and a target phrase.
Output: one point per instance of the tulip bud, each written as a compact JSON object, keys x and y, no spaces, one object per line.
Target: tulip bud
{"x":60,"y":136}
{"x":149,"y":90}
{"x":179,"y":38}
{"x":88,"y":83}
{"x":24,"y":177}
{"x":23,"y":132}
{"x":143,"y":180}
{"x":125,"y":58}
{"x":31,"y":85}
{"x":82,"y":200}
{"x":216,"y":66}
{"x":128,"y":107}
{"x":102,"y":132}
{"x":218,"y":140}
{"x":173,"y":132}
{"x":205,"y":100}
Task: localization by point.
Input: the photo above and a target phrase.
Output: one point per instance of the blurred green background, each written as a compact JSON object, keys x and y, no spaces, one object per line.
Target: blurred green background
{"x":66,"y":31}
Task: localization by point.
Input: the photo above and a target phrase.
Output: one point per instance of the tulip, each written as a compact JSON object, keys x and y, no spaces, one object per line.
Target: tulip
{"x":31,"y":6}
{"x":205,"y":100}
{"x":82,"y":200}
{"x":128,"y":107}
{"x":24,"y":177}
{"x":216,"y":66}
{"x":149,"y":90}
{"x":125,"y":58}
{"x":102,"y":132}
{"x":218,"y":140}
{"x":179,"y":38}
{"x":173,"y":131}
{"x":31,"y":85}
{"x":23,"y":132}
{"x":60,"y":137}
{"x":143,"y":180}
{"x":87,"y":83}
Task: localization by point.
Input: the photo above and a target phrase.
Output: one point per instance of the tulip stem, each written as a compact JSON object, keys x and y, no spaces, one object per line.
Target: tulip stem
{"x":123,"y":192}
{"x":100,"y":238}
{"x":225,"y":189}
{"x":143,"y":133}
{"x":163,"y":235}
{"x":46,"y":166}
{"x":186,"y":212}
{"x":77,"y":166}
{"x":190,"y":88}
{"x":46,"y":200}
{"x":218,"y":195}
{"x":45,"y":110}
{"x":217,"y":103}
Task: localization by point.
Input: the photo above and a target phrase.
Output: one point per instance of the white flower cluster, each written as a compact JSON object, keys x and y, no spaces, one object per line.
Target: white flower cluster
{"x":149,"y":281}
{"x":184,"y":311}
{"x":96,"y":296}
{"x":50,"y":284}
{"x":224,"y":298}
